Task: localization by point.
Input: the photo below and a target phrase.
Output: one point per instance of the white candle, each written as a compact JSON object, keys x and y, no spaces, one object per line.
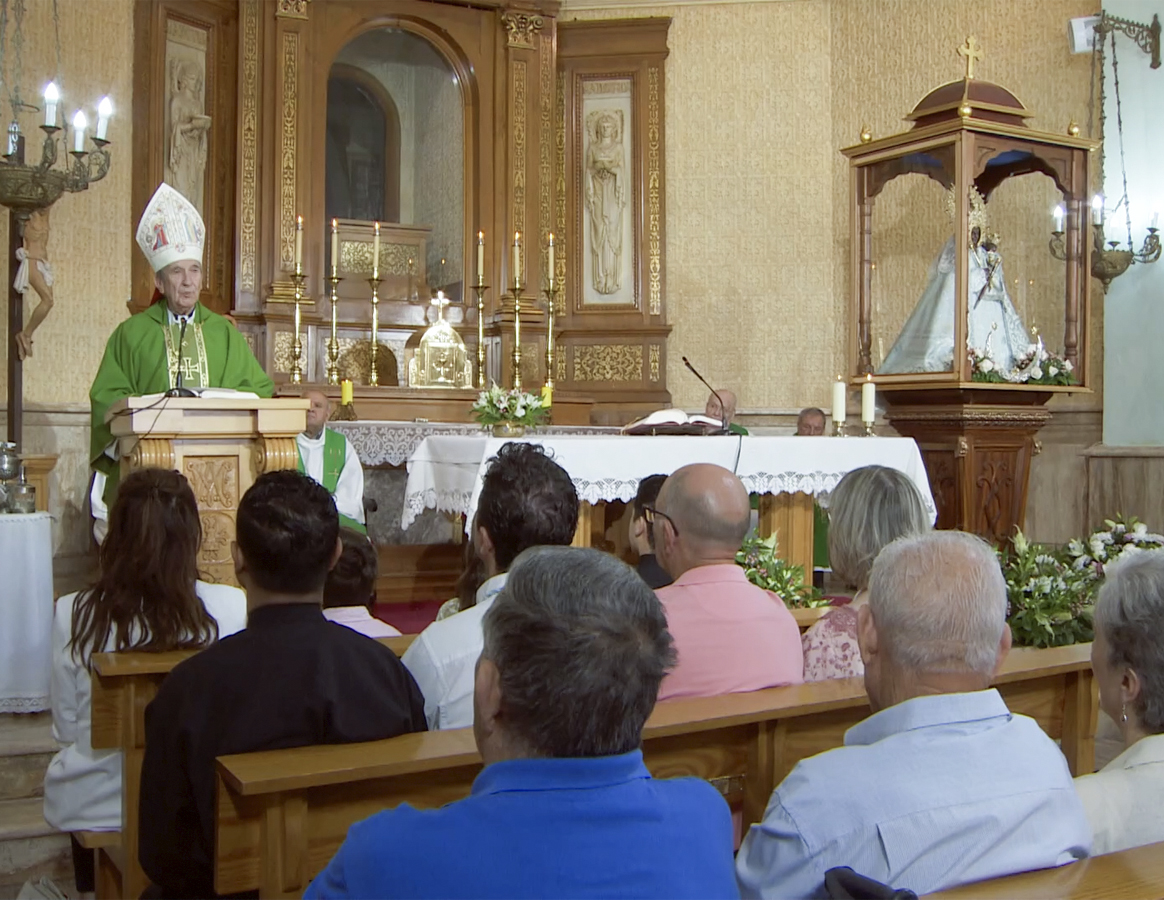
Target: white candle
{"x":480,"y":258}
{"x":51,"y":97}
{"x":1097,"y":209}
{"x":1059,"y":213}
{"x":80,"y":123}
{"x":104,"y":111}
{"x":839,"y":398}
{"x":551,"y":260}
{"x":298,"y":245}
{"x":517,"y":260}
{"x":868,"y":401}
{"x":376,"y":250}
{"x":334,"y":248}
{"x":1156,"y":220}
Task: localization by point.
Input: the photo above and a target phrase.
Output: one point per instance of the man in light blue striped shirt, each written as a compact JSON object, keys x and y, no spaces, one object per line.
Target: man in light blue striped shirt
{"x":942,"y":785}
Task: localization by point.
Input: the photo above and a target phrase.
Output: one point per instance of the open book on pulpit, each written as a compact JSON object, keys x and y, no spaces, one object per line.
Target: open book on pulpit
{"x":674,"y":421}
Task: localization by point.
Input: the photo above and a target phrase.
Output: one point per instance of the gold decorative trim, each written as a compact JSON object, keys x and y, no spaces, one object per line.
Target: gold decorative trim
{"x":356,"y":258}
{"x":560,"y":365}
{"x":608,"y":362}
{"x":654,"y":189}
{"x":282,"y":357}
{"x":152,"y":453}
{"x":287,"y":151}
{"x":292,"y":9}
{"x":518,"y":70}
{"x":560,"y":186}
{"x":250,"y":145}
{"x":545,"y":148}
{"x":978,"y":416}
{"x":521,"y":28}
{"x":654,"y":361}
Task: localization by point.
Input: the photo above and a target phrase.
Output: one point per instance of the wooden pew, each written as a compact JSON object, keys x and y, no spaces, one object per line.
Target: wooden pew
{"x":281,"y":815}
{"x":1127,"y":875}
{"x":123,"y":684}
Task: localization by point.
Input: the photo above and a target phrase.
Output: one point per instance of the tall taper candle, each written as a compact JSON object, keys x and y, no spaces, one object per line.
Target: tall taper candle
{"x":334,"y":248}
{"x":839,"y":398}
{"x":480,"y":258}
{"x":868,"y":401}
{"x":550,"y":261}
{"x":516,"y":261}
{"x":299,"y":245}
{"x":376,"y":250}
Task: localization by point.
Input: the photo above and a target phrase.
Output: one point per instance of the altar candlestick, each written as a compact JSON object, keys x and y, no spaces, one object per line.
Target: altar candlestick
{"x":376,"y":250}
{"x":868,"y":401}
{"x":1059,"y":214}
{"x":551,"y":261}
{"x":298,"y":245}
{"x":480,"y":258}
{"x":839,"y":397}
{"x":516,"y":261}
{"x":346,"y":392}
{"x":334,"y":248}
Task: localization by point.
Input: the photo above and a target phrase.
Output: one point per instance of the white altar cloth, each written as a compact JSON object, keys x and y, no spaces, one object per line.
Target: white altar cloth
{"x":386,"y":443}
{"x":26,"y":611}
{"x":445,"y":473}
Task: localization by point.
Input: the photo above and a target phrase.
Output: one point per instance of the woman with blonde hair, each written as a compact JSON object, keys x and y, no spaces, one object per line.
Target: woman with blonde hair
{"x":147,"y":597}
{"x":870,"y":508}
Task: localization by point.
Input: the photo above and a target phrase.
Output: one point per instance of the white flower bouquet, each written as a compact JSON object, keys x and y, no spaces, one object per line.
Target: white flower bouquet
{"x":497,"y":405}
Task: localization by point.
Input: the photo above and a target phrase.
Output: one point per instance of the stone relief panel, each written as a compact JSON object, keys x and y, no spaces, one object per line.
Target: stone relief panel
{"x":607,"y":193}
{"x":187,"y":124}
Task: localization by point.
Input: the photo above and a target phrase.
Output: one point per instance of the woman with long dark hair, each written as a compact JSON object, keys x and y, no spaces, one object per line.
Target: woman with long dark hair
{"x":147,"y":597}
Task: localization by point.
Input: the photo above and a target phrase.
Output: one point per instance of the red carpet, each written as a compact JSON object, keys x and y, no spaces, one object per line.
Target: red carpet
{"x":409,"y":618}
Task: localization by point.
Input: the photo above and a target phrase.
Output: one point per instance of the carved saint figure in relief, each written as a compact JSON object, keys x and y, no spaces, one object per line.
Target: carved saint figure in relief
{"x":36,"y":273}
{"x":186,"y":169}
{"x":606,"y":197}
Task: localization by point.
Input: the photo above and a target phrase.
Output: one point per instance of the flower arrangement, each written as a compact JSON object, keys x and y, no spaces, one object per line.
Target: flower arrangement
{"x":497,"y":405}
{"x":1122,"y":537}
{"x":1037,"y":366}
{"x":764,"y":569}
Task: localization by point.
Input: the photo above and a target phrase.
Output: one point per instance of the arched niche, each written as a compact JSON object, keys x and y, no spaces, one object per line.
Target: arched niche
{"x":363,"y":148}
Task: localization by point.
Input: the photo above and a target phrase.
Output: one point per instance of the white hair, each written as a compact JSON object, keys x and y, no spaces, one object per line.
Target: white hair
{"x":938,"y":601}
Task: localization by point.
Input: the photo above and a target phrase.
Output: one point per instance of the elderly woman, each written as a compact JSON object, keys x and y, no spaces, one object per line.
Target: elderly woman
{"x":870,"y":508}
{"x":1123,"y":800}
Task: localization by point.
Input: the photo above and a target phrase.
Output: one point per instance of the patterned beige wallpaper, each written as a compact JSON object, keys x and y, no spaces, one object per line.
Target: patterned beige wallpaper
{"x":760,"y":97}
{"x":91,"y":237}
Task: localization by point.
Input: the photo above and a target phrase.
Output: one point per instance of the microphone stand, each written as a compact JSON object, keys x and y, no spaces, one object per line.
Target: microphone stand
{"x":178,"y":390}
{"x":714,"y":392}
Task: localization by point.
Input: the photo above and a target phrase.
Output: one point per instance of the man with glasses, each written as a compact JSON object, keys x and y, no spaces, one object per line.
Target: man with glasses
{"x":730,"y":635}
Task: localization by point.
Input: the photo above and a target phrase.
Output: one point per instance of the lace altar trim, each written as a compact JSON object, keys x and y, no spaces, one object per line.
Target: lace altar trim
{"x":23,"y":704}
{"x":456,"y":502}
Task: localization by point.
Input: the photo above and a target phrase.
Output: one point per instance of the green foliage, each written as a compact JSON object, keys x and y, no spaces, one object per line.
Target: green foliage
{"x":764,"y":569}
{"x":1050,"y":602}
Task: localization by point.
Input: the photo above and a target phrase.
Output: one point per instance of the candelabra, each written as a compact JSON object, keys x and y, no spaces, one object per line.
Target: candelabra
{"x":1109,"y":262}
{"x":479,"y":290}
{"x":551,"y":297}
{"x":333,"y":341}
{"x":297,"y":342}
{"x":24,"y":188}
{"x":373,"y":375}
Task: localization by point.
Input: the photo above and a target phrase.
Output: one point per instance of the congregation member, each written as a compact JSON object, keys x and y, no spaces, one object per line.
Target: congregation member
{"x":721,"y":405}
{"x":290,"y":679}
{"x":942,"y":784}
{"x":575,"y":647}
{"x":642,"y":536}
{"x":1123,"y":801}
{"x":870,"y":508}
{"x":175,"y":342}
{"x":810,"y":422}
{"x":147,"y":597}
{"x":350,"y":589}
{"x":526,"y":500}
{"x":329,"y":458}
{"x":730,"y":635}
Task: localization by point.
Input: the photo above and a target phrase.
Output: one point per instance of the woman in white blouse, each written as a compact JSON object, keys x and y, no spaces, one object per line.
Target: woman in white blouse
{"x":147,"y":598}
{"x":1124,"y":800}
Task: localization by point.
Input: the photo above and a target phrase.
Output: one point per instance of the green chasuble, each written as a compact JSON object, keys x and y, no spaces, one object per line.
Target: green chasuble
{"x":335,"y":457}
{"x":140,"y":358}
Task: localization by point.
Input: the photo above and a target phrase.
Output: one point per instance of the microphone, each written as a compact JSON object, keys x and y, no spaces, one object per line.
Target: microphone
{"x":178,"y":390}
{"x":714,"y":392}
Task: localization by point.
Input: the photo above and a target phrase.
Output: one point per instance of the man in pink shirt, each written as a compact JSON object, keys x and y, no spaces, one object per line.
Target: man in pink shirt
{"x":729,"y":634}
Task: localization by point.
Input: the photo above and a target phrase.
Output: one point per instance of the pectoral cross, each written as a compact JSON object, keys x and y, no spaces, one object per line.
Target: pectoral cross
{"x":973,"y":53}
{"x":440,"y":301}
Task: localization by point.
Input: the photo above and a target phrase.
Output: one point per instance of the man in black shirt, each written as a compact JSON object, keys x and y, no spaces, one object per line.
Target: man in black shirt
{"x":291,"y":679}
{"x":642,"y":536}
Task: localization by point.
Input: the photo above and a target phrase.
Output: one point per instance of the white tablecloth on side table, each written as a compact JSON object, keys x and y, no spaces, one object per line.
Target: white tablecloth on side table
{"x":26,"y":611}
{"x":445,"y":473}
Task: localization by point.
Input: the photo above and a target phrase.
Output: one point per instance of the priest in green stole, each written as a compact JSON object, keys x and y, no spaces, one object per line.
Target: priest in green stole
{"x":176,"y":342}
{"x":329,"y":458}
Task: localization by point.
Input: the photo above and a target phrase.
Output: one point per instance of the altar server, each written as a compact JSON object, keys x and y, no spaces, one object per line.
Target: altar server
{"x":175,"y":337}
{"x":329,"y":458}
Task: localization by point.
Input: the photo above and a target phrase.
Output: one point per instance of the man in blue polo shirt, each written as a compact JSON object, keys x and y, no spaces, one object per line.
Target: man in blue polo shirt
{"x":576,"y":645}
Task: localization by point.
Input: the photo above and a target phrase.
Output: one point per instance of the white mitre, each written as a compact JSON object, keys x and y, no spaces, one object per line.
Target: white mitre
{"x":170,"y":229}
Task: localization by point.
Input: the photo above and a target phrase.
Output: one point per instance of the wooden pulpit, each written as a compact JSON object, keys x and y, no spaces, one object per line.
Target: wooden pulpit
{"x":220,"y":445}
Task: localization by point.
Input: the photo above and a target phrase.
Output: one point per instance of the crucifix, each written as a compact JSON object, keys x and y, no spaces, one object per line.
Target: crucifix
{"x":440,"y":301}
{"x":973,"y":53}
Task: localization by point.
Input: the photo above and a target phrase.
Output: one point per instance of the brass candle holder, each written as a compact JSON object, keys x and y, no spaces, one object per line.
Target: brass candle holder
{"x":479,"y":290}
{"x":551,"y":297}
{"x":373,"y":375}
{"x":838,"y":428}
{"x":333,"y":341}
{"x":869,"y":432}
{"x":297,"y":341}
{"x":516,"y":331}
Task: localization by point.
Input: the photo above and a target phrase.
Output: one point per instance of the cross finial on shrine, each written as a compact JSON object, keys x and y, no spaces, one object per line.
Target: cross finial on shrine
{"x":440,"y":301}
{"x":973,"y":53}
